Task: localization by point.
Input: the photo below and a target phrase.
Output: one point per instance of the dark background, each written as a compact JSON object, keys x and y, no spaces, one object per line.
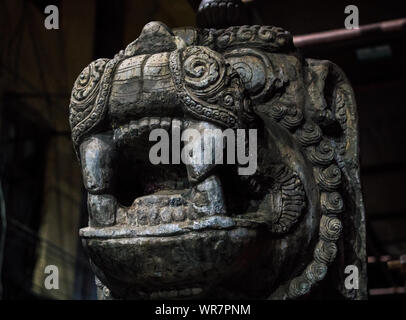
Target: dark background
{"x":41,"y":194}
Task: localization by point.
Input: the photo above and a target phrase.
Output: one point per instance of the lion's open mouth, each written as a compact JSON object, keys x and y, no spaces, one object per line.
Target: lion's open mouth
{"x":154,"y":197}
{"x":172,"y":223}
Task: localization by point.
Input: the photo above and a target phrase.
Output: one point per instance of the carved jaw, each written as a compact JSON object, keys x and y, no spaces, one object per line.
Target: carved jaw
{"x":117,"y":171}
{"x":198,"y":194}
{"x":183,"y":208}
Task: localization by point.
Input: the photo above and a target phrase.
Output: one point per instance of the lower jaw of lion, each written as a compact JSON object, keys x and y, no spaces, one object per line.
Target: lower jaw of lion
{"x":194,"y":264}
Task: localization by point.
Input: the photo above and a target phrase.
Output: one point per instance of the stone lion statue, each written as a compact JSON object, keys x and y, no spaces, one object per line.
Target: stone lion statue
{"x":191,"y":231}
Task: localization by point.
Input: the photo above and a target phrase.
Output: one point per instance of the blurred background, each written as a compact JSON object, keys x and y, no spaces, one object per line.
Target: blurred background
{"x":41,"y":197}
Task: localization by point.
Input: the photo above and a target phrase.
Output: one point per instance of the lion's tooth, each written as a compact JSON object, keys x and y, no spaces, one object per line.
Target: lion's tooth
{"x":144,"y":125}
{"x":122,"y":132}
{"x":165,"y":214}
{"x":154,"y":123}
{"x":165,"y":123}
{"x":142,"y":215}
{"x":153,"y":217}
{"x":178,"y":213}
{"x":191,"y":213}
{"x":121,"y":217}
{"x":134,"y":128}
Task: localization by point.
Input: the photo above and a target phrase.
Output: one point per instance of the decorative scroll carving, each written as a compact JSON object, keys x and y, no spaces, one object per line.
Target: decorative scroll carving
{"x":84,"y":93}
{"x":331,"y":202}
{"x":315,"y":272}
{"x":94,"y":105}
{"x":328,"y":179}
{"x":292,"y":199}
{"x":309,"y":134}
{"x":256,"y":72}
{"x":208,"y":88}
{"x":321,"y":154}
{"x":325,"y":252}
{"x":330,"y":228}
{"x":271,"y":39}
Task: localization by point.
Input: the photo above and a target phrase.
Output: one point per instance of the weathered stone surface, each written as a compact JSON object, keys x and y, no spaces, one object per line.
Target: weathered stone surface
{"x":176,"y":231}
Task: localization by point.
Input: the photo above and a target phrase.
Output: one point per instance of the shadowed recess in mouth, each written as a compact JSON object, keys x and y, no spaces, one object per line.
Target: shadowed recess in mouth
{"x":150,"y":194}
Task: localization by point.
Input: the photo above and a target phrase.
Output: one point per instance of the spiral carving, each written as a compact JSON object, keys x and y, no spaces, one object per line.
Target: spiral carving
{"x":246,"y":33}
{"x":328,"y":179}
{"x":88,"y":104}
{"x":292,"y":119}
{"x":331,"y":203}
{"x":265,"y":33}
{"x":208,"y":87}
{"x":268,"y":38}
{"x":326,"y":155}
{"x":278,"y":111}
{"x":87,"y":83}
{"x":85,"y":90}
{"x":309,"y":134}
{"x":299,"y":286}
{"x":322,"y":154}
{"x":315,"y":271}
{"x":202,"y":71}
{"x":330,"y":229}
{"x":289,"y":116}
{"x":256,"y":71}
{"x":325,"y":252}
